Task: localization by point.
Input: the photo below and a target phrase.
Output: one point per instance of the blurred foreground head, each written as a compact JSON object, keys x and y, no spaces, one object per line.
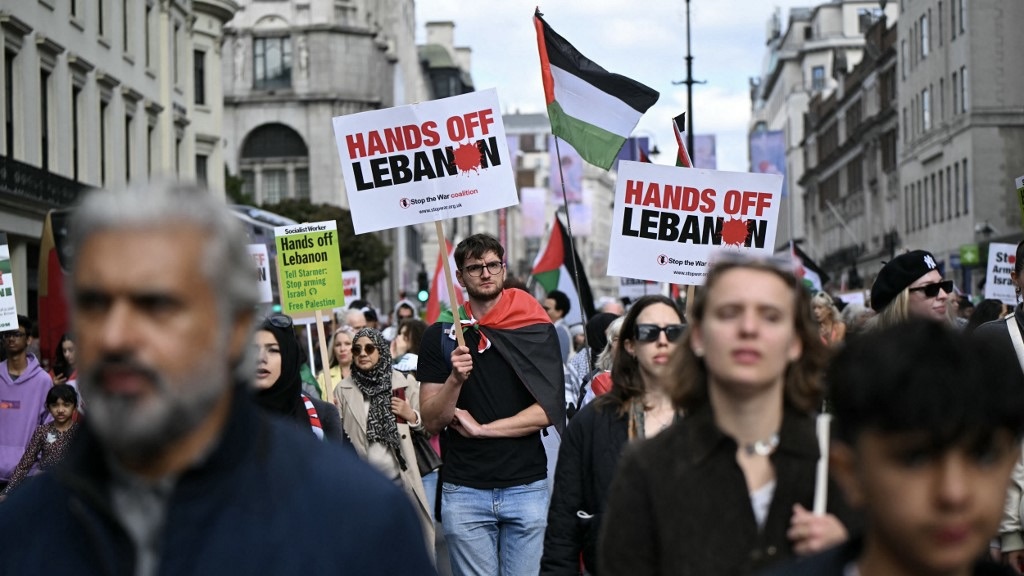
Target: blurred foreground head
{"x":162,"y":293}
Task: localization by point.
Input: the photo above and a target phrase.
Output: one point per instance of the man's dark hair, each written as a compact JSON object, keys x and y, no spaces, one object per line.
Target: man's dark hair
{"x":922,"y":376}
{"x":26,"y":323}
{"x":63,"y":392}
{"x":475,"y":247}
{"x":562,"y":303}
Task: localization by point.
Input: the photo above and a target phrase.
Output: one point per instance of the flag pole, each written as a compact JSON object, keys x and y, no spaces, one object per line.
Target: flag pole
{"x":572,"y":248}
{"x":452,"y":300}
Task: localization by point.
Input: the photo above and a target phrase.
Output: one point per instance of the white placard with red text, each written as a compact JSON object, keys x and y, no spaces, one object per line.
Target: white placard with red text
{"x":425,"y":162}
{"x":998,"y":284}
{"x":668,"y":221}
{"x":261,"y":260}
{"x":353,"y":285}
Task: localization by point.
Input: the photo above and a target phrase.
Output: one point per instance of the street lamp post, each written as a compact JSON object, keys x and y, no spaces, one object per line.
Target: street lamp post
{"x":689,"y":84}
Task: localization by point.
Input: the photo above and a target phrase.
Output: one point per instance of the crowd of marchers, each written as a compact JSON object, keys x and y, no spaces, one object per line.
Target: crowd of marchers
{"x":180,"y":431}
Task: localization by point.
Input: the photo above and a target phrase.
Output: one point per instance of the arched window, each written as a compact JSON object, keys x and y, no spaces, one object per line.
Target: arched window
{"x":275,"y":164}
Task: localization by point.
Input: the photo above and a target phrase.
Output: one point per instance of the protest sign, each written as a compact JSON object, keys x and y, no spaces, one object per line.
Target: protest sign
{"x":353,"y":285}
{"x":258,"y":253}
{"x":8,"y":309}
{"x":668,"y":221}
{"x":425,"y":162}
{"x":632,"y":288}
{"x":998,"y":284}
{"x":309,"y":267}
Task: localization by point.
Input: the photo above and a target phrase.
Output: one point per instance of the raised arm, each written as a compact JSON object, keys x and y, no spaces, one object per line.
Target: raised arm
{"x":437,"y":400}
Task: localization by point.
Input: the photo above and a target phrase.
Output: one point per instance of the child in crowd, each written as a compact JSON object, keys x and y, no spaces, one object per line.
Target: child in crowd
{"x":50,"y":441}
{"x":927,"y":425}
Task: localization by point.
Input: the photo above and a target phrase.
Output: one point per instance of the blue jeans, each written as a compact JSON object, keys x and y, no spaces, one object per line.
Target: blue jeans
{"x":495,"y":531}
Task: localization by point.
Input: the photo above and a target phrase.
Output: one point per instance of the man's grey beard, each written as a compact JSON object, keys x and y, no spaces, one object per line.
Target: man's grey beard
{"x":140,"y":430}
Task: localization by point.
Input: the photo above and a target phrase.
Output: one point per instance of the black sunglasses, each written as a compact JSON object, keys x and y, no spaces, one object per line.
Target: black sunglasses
{"x":357,"y":349}
{"x":280,"y":320}
{"x":932,"y":290}
{"x":650,"y":332}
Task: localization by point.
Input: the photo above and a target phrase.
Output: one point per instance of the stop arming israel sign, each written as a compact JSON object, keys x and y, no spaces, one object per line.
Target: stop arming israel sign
{"x":309,"y":267}
{"x":425,"y":162}
{"x":668,"y":220}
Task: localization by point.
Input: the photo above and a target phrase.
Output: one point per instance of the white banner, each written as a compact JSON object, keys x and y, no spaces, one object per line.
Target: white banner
{"x":998,"y":285}
{"x":425,"y":162}
{"x":260,"y":259}
{"x":8,"y":309}
{"x":668,"y":221}
{"x":632,"y":288}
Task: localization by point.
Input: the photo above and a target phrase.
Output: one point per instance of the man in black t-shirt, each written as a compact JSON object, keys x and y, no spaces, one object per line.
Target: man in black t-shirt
{"x":494,"y":395}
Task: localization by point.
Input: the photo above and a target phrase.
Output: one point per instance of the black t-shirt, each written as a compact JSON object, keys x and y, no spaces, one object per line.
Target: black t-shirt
{"x":492,"y":392}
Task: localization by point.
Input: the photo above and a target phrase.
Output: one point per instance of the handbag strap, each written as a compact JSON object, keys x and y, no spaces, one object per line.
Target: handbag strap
{"x":1015,"y":337}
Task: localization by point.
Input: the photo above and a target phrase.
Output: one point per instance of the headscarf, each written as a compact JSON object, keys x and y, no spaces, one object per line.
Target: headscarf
{"x":596,"y":327}
{"x":375,"y":384}
{"x":284,"y":397}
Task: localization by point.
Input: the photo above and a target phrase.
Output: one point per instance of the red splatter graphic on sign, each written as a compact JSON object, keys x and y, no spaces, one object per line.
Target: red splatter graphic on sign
{"x":735,"y":232}
{"x":467,"y":157}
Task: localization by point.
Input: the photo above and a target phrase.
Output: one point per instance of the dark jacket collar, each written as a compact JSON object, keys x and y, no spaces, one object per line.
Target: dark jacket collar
{"x":796,"y":436}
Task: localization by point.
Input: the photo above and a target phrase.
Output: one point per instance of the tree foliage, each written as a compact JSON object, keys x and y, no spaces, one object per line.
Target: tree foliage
{"x":365,"y":252}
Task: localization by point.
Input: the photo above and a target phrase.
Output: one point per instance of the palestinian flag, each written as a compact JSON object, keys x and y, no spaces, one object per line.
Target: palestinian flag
{"x":438,"y":300}
{"x":589,"y":107}
{"x":813,"y":277}
{"x":641,"y":154}
{"x":54,"y":319}
{"x":553,"y":270}
{"x":520,"y":330}
{"x":679,"y":127}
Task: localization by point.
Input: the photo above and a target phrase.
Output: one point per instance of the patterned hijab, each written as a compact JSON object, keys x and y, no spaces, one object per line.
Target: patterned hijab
{"x":375,"y":384}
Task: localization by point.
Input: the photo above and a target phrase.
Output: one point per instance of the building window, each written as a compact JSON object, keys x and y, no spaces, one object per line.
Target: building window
{"x":939,"y":12}
{"x":924,"y":36}
{"x":44,"y":119}
{"x":949,"y":192}
{"x":889,"y":151}
{"x":818,"y":78}
{"x":952,"y":18}
{"x":926,"y":110}
{"x":967,"y":208}
{"x":963,"y":17}
{"x":302,"y":183}
{"x":175,"y":56}
{"x":942,"y":198}
{"x":178,"y":143}
{"x":956,"y":182}
{"x":148,"y":28}
{"x":903,"y":58}
{"x":249,"y":184}
{"x":963,"y":89}
{"x":100,"y":17}
{"x":272,"y":63}
{"x":955,"y":89}
{"x":201,"y":166}
{"x":906,"y":127}
{"x":129,"y":123}
{"x":76,"y":101}
{"x":925,"y":203}
{"x":275,"y":186}
{"x":935,"y":211}
{"x":855,"y":174}
{"x":126,"y":19}
{"x":104,"y":105}
{"x":73,"y":7}
{"x":942,"y":99}
{"x":199,"y":70}
{"x":9,"y":102}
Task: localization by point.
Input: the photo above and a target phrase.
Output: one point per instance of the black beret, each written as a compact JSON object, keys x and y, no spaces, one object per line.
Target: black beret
{"x":898,"y":274}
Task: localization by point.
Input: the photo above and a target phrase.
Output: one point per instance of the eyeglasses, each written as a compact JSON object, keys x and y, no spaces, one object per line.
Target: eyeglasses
{"x":280,"y":320}
{"x":932,"y":290}
{"x":475,"y":270}
{"x":12,"y":335}
{"x":369,"y":348}
{"x":651,"y":332}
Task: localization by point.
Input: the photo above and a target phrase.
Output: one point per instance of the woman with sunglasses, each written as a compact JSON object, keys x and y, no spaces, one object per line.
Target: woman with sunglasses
{"x":638,"y":406}
{"x":340,"y":363}
{"x":727,"y":490}
{"x":910,"y":285}
{"x":278,"y":381}
{"x":379,"y":423}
